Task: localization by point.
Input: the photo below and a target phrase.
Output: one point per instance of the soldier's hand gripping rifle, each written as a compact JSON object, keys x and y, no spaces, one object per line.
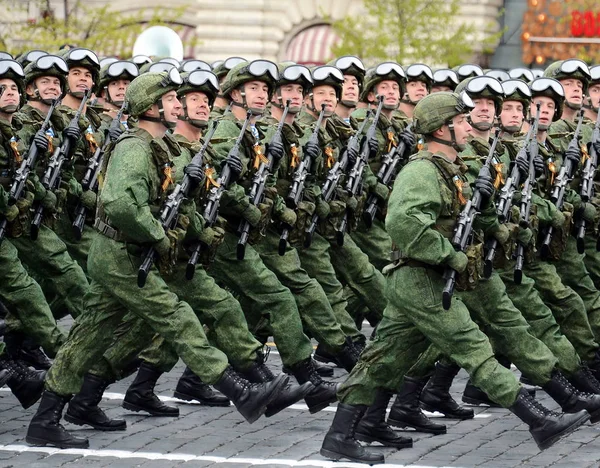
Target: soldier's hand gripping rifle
{"x":52,"y":178}
{"x":169,"y":213}
{"x":333,"y":177}
{"x":296,"y":192}
{"x":22,"y":173}
{"x":259,"y":181}
{"x":387,"y":172}
{"x":355,"y":177}
{"x":561,"y":183}
{"x":90,"y":178}
{"x":463,"y":229}
{"x":528,"y":152}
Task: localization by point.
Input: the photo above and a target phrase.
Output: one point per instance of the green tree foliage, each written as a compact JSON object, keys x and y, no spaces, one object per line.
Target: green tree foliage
{"x":409,"y":31}
{"x":100,"y":28}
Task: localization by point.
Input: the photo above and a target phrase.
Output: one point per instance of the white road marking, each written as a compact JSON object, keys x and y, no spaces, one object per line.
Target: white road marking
{"x":185,"y":457}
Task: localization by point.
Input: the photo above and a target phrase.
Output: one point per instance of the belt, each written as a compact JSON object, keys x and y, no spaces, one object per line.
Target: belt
{"x":107,"y":230}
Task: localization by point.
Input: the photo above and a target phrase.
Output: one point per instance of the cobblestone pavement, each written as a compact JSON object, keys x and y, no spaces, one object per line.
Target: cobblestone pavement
{"x":220,"y":438}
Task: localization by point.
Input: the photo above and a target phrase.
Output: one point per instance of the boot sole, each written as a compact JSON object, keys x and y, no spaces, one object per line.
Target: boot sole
{"x":185,"y":397}
{"x":385,"y":443}
{"x":44,"y":443}
{"x":431,"y":409}
{"x":81,"y":422}
{"x":402,"y":425}
{"x":325,"y":360}
{"x":321,"y":406}
{"x":544,"y":444}
{"x":477,"y":402}
{"x":338,"y":456}
{"x":132,"y":407}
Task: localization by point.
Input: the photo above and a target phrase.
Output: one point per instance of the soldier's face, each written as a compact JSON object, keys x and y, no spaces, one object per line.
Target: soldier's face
{"x":390,"y":90}
{"x":171,"y":106}
{"x":10,"y":96}
{"x":416,"y":90}
{"x":462,"y":129}
{"x":198,"y":107}
{"x":79,"y":79}
{"x":117,"y":88}
{"x":257,"y":95}
{"x":324,"y":94}
{"x":293,"y":93}
{"x":48,"y":87}
{"x":594,"y":93}
{"x":350,"y":91}
{"x":512,"y":114}
{"x":573,"y":90}
{"x":484,"y":111}
{"x":547,"y":110}
{"x":437,"y":89}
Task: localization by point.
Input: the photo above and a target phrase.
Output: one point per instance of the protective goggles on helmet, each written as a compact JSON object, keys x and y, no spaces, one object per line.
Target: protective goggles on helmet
{"x":595,"y":73}
{"x":107,"y":61}
{"x":500,"y":75}
{"x":46,"y":62}
{"x":516,"y":86}
{"x":231,"y":62}
{"x":33,"y":55}
{"x":7,"y":66}
{"x":78,"y":55}
{"x":520,"y":73}
{"x":540,"y":85}
{"x":173,"y":78}
{"x":260,"y":68}
{"x":327,"y":71}
{"x":191,"y":65}
{"x":444,"y":75}
{"x":469,"y":69}
{"x":120,"y":68}
{"x":349,"y":61}
{"x":217,"y":63}
{"x":387,"y":68}
{"x":481,"y":83}
{"x":296,"y":73}
{"x":417,"y":70}
{"x":572,"y":65}
{"x":170,"y":60}
{"x":465,"y":103}
{"x":5,"y":56}
{"x":140,"y":60}
{"x":158,"y":67}
{"x":201,"y":77}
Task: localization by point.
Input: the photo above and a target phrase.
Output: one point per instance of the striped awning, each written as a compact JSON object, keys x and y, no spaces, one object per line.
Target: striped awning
{"x":312,"y":46}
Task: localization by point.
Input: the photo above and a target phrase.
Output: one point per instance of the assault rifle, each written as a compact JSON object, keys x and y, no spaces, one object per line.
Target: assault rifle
{"x":90,"y":178}
{"x":298,"y":180}
{"x":51,"y":179}
{"x":258,"y":185}
{"x":463,"y":229}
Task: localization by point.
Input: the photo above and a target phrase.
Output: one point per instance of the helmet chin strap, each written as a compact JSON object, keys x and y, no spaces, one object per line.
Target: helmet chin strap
{"x":186,"y":118}
{"x":11,"y":109}
{"x":161,"y":118}
{"x":407,"y":100}
{"x":452,"y":143}
{"x":572,"y":105}
{"x":349,"y":104}
{"x":481,"y":126}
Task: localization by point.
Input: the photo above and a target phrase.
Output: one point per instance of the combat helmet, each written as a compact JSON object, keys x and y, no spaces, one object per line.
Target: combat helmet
{"x":382,"y":72}
{"x":149,"y":88}
{"x":46,"y":65}
{"x":11,"y":69}
{"x":570,"y":69}
{"x":244,"y":72}
{"x":202,"y":81}
{"x":118,"y":70}
{"x":551,"y":88}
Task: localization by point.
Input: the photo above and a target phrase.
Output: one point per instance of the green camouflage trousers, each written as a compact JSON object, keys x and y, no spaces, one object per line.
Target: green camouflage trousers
{"x":78,"y":250}
{"x":592,"y":257}
{"x":508,"y":330}
{"x":414,"y":319}
{"x":567,"y":307}
{"x":112,"y":294}
{"x":266,"y":303}
{"x":22,"y":295}
{"x":315,"y":311}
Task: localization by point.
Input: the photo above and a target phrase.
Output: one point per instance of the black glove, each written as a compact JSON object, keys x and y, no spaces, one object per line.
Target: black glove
{"x":523,"y":166}
{"x":72,"y":133}
{"x":373,"y":147}
{"x":276,"y":149}
{"x":235,"y":167}
{"x":409,"y":138}
{"x":41,"y":141}
{"x":538,"y":164}
{"x":194,"y":172}
{"x":114,"y":131}
{"x":484,"y":183}
{"x":352,"y":153}
{"x":311,"y":150}
{"x":573,"y":155}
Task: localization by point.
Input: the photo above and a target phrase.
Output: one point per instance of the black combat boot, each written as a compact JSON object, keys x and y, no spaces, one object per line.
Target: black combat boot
{"x":373,"y":428}
{"x":436,"y":394}
{"x":546,"y":426}
{"x":26,"y":384}
{"x":322,"y":369}
{"x":348,"y":356}
{"x":570,"y":399}
{"x":340,"y":442}
{"x":140,"y":395}
{"x":290,"y":394}
{"x":406,"y":411}
{"x":33,"y":356}
{"x":475,"y":396}
{"x":323,"y":392}
{"x":360,"y":344}
{"x":45,"y":428}
{"x":584,"y":381}
{"x":191,"y":388}
{"x":250,"y":399}
{"x":83,"y":408}
{"x":324,"y":356}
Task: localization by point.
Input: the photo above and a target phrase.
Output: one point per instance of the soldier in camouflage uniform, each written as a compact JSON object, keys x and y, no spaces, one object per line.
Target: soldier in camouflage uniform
{"x":419,"y":79}
{"x":444,"y":79}
{"x":427,"y":198}
{"x":138,"y":176}
{"x":222,"y":102}
{"x":112,"y":85}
